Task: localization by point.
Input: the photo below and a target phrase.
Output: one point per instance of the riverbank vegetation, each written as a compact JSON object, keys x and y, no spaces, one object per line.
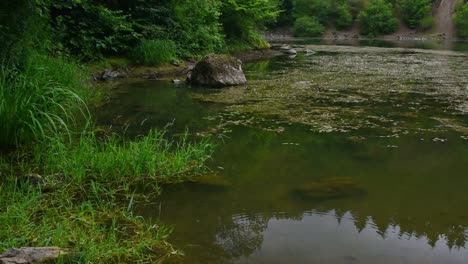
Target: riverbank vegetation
{"x":61,"y":183}
{"x":461,"y":18}
{"x":310,"y":18}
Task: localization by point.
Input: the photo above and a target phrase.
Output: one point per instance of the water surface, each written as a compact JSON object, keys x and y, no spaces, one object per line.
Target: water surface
{"x":349,"y":155}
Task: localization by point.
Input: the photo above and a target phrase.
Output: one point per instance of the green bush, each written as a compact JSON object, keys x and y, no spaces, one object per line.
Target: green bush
{"x":154,"y":52}
{"x":197,"y":28}
{"x":416,"y":13}
{"x":461,"y":18}
{"x":89,"y":30}
{"x":427,"y":22}
{"x":308,"y":27}
{"x":341,"y":12}
{"x":242,"y":20}
{"x":378,"y":18}
{"x":316,"y":8}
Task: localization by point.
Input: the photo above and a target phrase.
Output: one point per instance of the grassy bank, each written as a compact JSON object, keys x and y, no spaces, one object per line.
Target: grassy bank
{"x":62,"y":185}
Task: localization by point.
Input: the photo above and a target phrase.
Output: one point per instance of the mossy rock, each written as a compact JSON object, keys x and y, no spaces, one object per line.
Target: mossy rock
{"x":339,"y":187}
{"x":218,"y":70}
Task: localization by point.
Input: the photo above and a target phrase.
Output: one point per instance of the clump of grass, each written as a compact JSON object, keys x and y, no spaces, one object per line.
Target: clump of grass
{"x":41,"y":101}
{"x":115,"y":160}
{"x":99,"y":232}
{"x":154,"y":52}
{"x":94,"y":183}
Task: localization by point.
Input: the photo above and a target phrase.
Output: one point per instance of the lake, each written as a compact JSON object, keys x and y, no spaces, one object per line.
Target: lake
{"x":347,"y":155}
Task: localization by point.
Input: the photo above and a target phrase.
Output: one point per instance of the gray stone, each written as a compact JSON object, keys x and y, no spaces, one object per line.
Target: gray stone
{"x":216,"y":70}
{"x":32,"y":255}
{"x":290,"y":51}
{"x":109,"y":75}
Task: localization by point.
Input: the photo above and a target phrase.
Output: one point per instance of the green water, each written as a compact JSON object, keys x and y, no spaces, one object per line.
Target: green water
{"x":350,"y":155}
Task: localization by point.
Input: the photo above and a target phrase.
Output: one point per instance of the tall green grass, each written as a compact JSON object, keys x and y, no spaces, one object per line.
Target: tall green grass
{"x":154,"y":52}
{"x":114,"y":160}
{"x":41,"y":100}
{"x":95,"y":231}
{"x":93,"y":186}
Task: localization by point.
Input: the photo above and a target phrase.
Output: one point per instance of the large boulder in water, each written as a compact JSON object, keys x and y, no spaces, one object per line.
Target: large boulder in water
{"x":216,"y":70}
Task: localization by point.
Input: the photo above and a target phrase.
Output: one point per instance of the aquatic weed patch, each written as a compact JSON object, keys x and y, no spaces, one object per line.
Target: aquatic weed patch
{"x":344,"y":89}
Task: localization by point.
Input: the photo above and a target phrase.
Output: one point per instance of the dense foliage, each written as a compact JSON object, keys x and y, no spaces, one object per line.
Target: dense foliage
{"x":417,"y":13}
{"x":378,"y":18}
{"x":306,"y":26}
{"x":461,"y":18}
{"x":153,"y":52}
{"x":312,"y":16}
{"x":241,"y":20}
{"x":92,"y":29}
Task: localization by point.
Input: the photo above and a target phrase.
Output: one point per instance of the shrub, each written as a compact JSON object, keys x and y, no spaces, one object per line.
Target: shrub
{"x":341,"y":11}
{"x":154,"y":52}
{"x":89,"y":30}
{"x":315,"y":8}
{"x":378,"y":18}
{"x":197,"y":28}
{"x":461,"y":18}
{"x":416,"y":13}
{"x":242,"y":20}
{"x":308,"y":27}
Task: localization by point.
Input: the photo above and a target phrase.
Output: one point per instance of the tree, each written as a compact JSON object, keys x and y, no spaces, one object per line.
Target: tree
{"x":241,"y":20}
{"x":461,"y":18}
{"x":313,"y":8}
{"x":378,"y":18}
{"x":417,"y":13}
{"x":340,"y":11}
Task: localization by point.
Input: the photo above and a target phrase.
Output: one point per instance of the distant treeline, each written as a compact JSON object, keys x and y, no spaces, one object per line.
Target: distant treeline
{"x":310,"y":18}
{"x":91,"y":29}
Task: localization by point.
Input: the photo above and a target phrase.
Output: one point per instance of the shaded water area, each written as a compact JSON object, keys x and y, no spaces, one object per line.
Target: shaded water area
{"x":348,"y":155}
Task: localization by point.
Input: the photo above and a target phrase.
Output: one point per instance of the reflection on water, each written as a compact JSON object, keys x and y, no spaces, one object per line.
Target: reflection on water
{"x":346,"y":156}
{"x":329,"y":238}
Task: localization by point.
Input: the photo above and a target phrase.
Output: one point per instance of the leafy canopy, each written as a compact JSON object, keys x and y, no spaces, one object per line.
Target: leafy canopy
{"x":378,"y":18}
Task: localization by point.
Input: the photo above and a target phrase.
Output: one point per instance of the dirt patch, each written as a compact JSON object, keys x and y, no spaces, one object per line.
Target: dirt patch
{"x":443,"y":15}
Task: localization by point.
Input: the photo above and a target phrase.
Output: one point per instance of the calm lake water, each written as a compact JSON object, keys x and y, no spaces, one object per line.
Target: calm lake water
{"x":348,"y":155}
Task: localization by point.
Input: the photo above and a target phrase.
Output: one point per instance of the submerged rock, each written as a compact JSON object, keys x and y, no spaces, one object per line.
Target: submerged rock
{"x":216,"y":70}
{"x":212,"y":180}
{"x":339,"y":187}
{"x":29,"y":255}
